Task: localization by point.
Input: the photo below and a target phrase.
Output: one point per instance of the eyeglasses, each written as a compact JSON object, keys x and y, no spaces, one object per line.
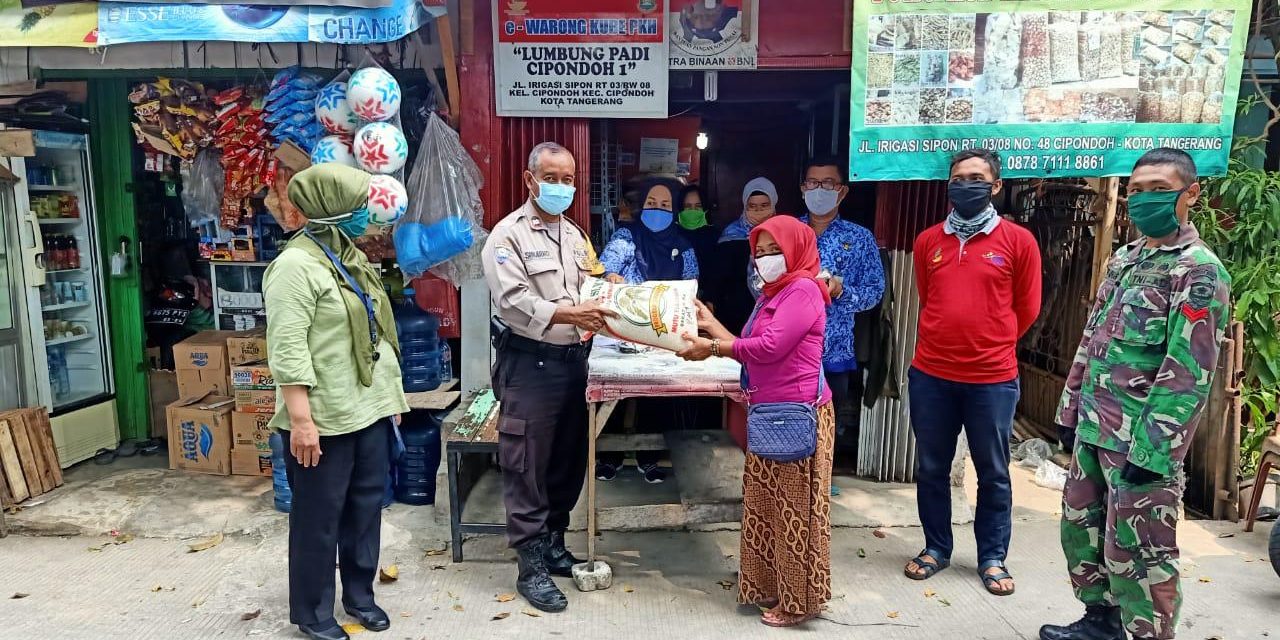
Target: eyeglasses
{"x":827,"y":183}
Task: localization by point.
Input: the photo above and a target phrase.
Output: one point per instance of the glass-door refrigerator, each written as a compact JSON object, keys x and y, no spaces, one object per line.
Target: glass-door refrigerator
{"x":65,"y":307}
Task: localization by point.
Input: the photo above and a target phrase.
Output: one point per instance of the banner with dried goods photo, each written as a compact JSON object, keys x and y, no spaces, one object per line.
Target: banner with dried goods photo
{"x":1059,"y":88}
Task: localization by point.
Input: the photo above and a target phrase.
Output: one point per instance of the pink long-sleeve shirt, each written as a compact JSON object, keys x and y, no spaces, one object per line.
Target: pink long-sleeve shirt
{"x":782,"y":353}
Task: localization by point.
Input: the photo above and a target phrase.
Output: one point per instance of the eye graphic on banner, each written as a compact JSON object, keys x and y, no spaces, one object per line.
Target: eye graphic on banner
{"x":1057,"y":89}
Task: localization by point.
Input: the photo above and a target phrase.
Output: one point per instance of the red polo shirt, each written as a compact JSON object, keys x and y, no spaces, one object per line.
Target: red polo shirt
{"x":976,"y":299}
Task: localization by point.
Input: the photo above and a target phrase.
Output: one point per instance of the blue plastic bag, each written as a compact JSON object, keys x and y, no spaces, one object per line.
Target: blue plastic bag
{"x":422,"y":246}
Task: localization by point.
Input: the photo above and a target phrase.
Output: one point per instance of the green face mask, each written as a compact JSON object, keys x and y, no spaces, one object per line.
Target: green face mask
{"x":1155,"y":213}
{"x":693,"y":219}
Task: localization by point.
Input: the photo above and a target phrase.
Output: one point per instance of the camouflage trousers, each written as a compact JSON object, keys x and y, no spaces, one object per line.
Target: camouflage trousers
{"x":1120,"y":541}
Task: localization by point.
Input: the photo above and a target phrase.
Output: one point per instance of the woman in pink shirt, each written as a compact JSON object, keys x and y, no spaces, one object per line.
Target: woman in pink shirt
{"x":786,"y":511}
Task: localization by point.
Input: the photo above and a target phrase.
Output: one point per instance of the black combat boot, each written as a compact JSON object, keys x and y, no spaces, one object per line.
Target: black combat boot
{"x":534,"y":583}
{"x":1100,"y":622}
{"x":559,"y":560}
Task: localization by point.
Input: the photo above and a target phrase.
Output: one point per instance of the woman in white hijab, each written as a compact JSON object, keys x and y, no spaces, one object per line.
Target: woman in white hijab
{"x":732,"y":294}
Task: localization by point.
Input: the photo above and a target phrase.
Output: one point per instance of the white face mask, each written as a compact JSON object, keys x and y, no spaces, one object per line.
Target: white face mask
{"x":772,"y":267}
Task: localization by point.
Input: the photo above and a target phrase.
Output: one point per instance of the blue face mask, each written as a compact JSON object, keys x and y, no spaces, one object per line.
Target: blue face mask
{"x":356,"y":225}
{"x":656,"y":219}
{"x":554,"y":198}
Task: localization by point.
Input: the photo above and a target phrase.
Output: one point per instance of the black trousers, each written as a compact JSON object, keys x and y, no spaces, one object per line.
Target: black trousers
{"x":336,"y":505}
{"x":542,"y":440}
{"x":846,"y":394}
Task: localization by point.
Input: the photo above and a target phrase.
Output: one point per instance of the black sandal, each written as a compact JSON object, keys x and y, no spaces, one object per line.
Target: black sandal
{"x":929,"y":564}
{"x":992,"y":580}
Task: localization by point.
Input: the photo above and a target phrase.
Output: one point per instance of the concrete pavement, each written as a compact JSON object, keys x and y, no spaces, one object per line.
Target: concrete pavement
{"x":667,"y":584}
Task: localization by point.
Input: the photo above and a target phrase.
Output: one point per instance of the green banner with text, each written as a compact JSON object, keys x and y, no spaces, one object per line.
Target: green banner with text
{"x":1056,"y":92}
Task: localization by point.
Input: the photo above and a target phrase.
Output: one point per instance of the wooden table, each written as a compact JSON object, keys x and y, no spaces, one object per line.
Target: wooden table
{"x":615,"y":376}
{"x":471,"y":428}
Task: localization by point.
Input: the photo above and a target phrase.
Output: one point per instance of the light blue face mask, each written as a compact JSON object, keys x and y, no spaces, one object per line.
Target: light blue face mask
{"x":554,"y":198}
{"x":357,"y":224}
{"x":656,"y":219}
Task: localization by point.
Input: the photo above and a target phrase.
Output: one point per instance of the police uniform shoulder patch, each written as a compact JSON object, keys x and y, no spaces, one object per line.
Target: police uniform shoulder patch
{"x":501,"y":254}
{"x":1202,"y":285}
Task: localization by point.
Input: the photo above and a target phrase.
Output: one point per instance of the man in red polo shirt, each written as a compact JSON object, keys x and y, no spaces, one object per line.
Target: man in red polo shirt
{"x":979,"y":283}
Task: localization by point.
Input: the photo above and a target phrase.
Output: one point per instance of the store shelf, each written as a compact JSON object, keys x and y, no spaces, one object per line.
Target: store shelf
{"x":80,"y":270}
{"x":53,"y":187}
{"x":59,"y":220}
{"x":66,"y":305}
{"x":57,"y":341}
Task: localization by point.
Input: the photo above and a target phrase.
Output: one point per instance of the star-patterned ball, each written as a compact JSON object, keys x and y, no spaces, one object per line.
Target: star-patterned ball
{"x":381,"y":148}
{"x":333,"y":111}
{"x":388,"y":199}
{"x":373,"y":94}
{"x":334,"y":149}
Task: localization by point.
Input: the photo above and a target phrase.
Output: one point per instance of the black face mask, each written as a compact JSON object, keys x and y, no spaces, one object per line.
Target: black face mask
{"x":969,"y":197}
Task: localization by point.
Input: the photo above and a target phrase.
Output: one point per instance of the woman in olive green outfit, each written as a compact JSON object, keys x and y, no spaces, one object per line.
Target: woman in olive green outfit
{"x":331,"y":345}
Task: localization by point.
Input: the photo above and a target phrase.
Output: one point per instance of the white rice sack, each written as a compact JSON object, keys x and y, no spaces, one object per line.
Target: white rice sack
{"x":655,"y":313}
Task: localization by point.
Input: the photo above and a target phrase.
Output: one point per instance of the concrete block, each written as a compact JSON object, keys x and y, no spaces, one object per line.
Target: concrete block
{"x":593,"y":576}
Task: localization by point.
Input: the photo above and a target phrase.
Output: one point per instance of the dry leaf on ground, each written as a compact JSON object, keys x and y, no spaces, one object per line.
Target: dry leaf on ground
{"x":251,"y":615}
{"x":862,"y":553}
{"x":205,"y":545}
{"x":929,"y":593}
{"x":458,"y":608}
{"x":725,"y":584}
{"x":626,"y":588}
{"x":500,"y":616}
{"x":505,"y":597}
{"x":197,"y":602}
{"x":944,"y":602}
{"x":1205,"y":579}
{"x":531,"y":613}
{"x":879,"y":534}
{"x":390,"y":573}
{"x":438,"y":552}
{"x":353,"y":628}
{"x":19,"y":595}
{"x":893,"y":614}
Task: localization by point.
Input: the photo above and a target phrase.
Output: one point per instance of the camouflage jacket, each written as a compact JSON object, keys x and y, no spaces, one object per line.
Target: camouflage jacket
{"x":1141,"y":377}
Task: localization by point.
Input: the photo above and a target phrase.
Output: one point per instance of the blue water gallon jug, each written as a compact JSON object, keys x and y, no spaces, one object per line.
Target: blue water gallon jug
{"x":419,"y":334}
{"x":416,"y":469}
{"x":280,"y":479}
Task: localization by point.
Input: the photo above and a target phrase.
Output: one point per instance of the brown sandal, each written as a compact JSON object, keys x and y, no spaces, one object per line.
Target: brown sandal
{"x":781,"y":619}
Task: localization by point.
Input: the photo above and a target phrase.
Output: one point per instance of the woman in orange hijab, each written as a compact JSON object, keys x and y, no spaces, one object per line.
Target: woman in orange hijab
{"x":786,"y":515}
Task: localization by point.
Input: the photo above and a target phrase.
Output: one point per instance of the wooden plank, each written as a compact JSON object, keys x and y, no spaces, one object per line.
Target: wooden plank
{"x":29,"y":423}
{"x":1105,"y":231}
{"x":450,"y":68}
{"x":39,"y":423}
{"x":438,"y":399}
{"x":10,"y":466}
{"x":467,"y":27}
{"x":77,"y":90}
{"x":17,"y":142}
{"x":26,"y":455}
{"x":24,"y":88}
{"x":490,"y":431}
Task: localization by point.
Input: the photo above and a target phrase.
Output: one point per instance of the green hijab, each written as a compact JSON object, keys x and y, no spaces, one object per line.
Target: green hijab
{"x":328,"y":190}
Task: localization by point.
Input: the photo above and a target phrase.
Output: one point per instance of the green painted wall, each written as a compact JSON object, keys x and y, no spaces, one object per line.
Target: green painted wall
{"x":111,"y":144}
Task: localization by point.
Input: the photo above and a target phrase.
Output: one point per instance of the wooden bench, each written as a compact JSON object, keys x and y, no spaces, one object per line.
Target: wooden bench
{"x":471,"y":431}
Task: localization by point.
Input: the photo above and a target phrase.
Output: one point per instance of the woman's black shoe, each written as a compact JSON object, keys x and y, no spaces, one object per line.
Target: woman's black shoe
{"x":371,"y":617}
{"x":324,"y":631}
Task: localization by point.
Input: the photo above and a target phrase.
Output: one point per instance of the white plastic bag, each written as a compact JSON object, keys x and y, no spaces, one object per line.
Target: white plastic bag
{"x":656,"y":313}
{"x":1051,"y":476}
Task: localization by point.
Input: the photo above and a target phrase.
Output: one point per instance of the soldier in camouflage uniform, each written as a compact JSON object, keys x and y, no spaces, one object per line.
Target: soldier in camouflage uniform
{"x":1133,"y":399}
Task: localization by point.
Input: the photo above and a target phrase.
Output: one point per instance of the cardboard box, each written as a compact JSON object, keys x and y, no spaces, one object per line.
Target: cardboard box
{"x":255,"y":400}
{"x":250,"y":462}
{"x":200,"y":434}
{"x":205,"y":350}
{"x":250,"y":431}
{"x":252,"y":376}
{"x":195,"y":382}
{"x":247,"y":349}
{"x":163,"y":388}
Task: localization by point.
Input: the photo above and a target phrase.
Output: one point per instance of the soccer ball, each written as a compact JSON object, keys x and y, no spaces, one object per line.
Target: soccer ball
{"x":388,"y":199}
{"x":334,"y":149}
{"x":380,"y":148}
{"x":333,"y":111}
{"x":373,"y":94}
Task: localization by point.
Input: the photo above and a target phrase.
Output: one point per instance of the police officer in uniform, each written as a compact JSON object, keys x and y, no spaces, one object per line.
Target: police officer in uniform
{"x":1133,"y":399}
{"x":534,"y":263}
